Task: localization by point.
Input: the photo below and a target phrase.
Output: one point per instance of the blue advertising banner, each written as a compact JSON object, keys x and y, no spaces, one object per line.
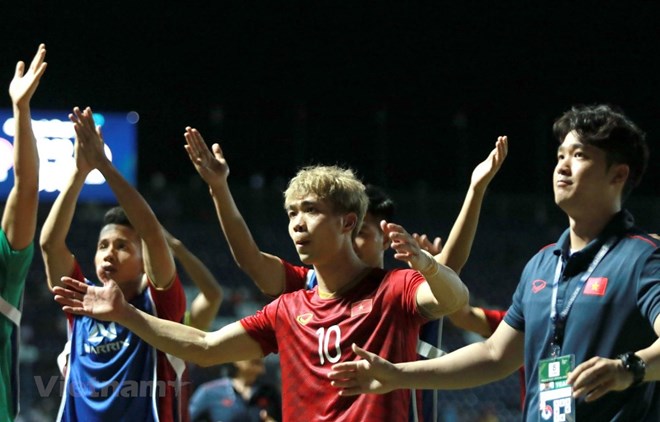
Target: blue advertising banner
{"x":55,"y":137}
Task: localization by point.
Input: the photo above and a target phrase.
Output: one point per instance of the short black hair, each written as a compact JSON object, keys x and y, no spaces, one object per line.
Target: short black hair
{"x":381,"y":205}
{"x":608,"y":128}
{"x":116,"y":215}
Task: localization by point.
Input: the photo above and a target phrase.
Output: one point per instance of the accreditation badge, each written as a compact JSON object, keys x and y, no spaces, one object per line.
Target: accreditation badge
{"x":555,"y":395}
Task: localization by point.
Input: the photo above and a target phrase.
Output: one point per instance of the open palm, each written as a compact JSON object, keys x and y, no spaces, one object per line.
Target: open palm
{"x":487,"y":169}
{"x":25,"y":83}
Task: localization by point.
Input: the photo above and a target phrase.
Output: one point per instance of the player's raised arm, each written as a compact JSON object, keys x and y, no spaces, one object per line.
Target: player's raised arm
{"x":158,"y":260}
{"x":19,"y":219}
{"x":266,"y":270}
{"x":206,"y":303}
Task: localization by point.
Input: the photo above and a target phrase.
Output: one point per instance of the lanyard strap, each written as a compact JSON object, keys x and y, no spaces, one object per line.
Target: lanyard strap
{"x":559,"y":319}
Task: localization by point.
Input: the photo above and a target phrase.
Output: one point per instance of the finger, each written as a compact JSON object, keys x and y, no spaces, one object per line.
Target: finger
{"x":342,"y":375}
{"x":63,"y":293}
{"x":69,"y":305}
{"x":343,"y":368}
{"x":579,"y":375}
{"x":600,"y":391}
{"x":217,"y":151}
{"x":74,"y":310}
{"x":350,"y":392}
{"x":188,"y":137}
{"x":505,"y":145}
{"x":20,"y":68}
{"x":38,"y":58}
{"x":395,"y":227}
{"x":75,"y":284}
{"x":198,"y":136}
{"x":193,"y":142}
{"x":362,"y":352}
{"x":88,"y":117}
{"x":188,"y":149}
{"x":501,"y":149}
{"x":78,"y":114}
{"x":345,"y":383}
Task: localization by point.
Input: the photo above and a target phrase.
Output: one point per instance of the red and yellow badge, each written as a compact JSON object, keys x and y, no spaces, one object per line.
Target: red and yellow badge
{"x":595,"y":286}
{"x":361,"y":307}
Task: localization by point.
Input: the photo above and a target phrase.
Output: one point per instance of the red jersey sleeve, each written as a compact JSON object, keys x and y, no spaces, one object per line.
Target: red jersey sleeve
{"x":76,"y":274}
{"x":494,"y":317}
{"x":261,"y":327}
{"x":171,"y":302}
{"x":295,"y":277}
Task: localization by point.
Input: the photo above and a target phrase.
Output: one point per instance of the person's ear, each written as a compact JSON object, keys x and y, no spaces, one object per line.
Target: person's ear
{"x":350,"y":221}
{"x":620,"y":173}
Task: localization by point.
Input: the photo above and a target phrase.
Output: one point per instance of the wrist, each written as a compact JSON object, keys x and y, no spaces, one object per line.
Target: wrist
{"x":127,"y":313}
{"x":478,"y":189}
{"x":21,"y":106}
{"x":81,"y":174}
{"x":431,"y":267}
{"x":635,"y":366}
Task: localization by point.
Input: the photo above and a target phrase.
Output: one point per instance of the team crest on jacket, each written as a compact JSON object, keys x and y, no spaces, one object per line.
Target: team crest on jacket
{"x":304,"y":318}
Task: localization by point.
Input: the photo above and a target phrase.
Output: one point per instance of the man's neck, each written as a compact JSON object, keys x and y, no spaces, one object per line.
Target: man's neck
{"x":340,"y":275}
{"x":587,"y":227}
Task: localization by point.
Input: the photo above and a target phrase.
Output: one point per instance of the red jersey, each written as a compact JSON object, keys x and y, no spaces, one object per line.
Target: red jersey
{"x":311,"y":334}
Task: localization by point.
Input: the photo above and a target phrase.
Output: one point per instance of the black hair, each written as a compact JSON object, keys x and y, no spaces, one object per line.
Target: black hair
{"x":607,"y":128}
{"x":116,"y":215}
{"x":381,"y":205}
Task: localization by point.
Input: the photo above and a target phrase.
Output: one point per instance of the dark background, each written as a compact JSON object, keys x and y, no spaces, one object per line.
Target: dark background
{"x":407,"y":93}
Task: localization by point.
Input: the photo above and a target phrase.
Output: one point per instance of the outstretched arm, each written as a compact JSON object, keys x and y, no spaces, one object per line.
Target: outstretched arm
{"x":205,"y":306}
{"x":266,"y":270}
{"x":229,"y":344}
{"x":459,"y":244}
{"x":158,"y":260}
{"x":19,"y":220}
{"x":443,"y":292}
{"x":467,"y":367}
{"x":457,"y":249}
{"x":58,"y":259}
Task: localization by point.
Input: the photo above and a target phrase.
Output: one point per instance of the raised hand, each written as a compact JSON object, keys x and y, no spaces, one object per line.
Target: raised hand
{"x":24,"y":83}
{"x":487,"y":169}
{"x":371,"y":374}
{"x":434,"y":248}
{"x":406,"y":248}
{"x":104,"y":302}
{"x":211,"y":166}
{"x":90,"y":142}
{"x":82,"y":164}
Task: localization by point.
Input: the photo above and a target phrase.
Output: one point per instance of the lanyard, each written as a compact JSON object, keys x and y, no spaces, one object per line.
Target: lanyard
{"x":559,"y":319}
